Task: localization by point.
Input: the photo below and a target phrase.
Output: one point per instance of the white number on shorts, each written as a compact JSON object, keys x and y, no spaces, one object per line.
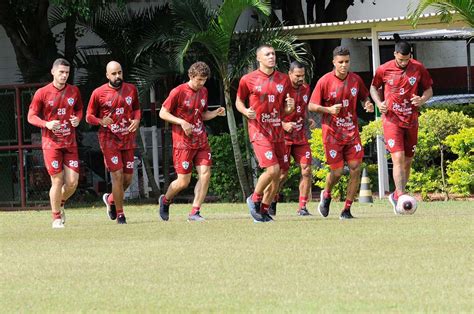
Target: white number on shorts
{"x":129,"y":165}
{"x":358,"y":147}
{"x":209,"y":156}
{"x":73,"y":163}
{"x":271,"y":98}
{"x":308,"y":154}
{"x":119,"y":111}
{"x":61,"y":111}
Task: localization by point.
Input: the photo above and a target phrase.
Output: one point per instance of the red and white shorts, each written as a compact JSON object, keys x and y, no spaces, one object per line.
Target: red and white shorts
{"x":301,"y":153}
{"x":336,"y":154}
{"x":184,"y":159}
{"x":269,"y":154}
{"x":55,"y":159}
{"x":115,"y":160}
{"x":398,"y":139}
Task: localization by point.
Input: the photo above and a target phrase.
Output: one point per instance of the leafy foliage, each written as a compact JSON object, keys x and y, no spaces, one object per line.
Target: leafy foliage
{"x":460,"y":174}
{"x":444,"y":8}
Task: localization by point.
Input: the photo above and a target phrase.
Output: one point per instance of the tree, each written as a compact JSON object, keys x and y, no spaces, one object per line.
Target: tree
{"x":26,"y":24}
{"x":210,"y":34}
{"x":445,"y":8}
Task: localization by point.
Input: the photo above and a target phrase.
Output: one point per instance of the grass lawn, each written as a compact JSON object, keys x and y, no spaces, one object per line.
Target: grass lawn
{"x":376,"y":263}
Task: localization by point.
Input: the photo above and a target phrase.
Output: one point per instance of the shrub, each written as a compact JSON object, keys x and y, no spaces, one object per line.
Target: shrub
{"x":459,"y":171}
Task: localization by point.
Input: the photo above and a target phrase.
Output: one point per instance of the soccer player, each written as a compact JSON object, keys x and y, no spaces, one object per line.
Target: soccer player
{"x":57,"y":109}
{"x":268,"y":94}
{"x":186,"y":108}
{"x":336,"y":96}
{"x":115,"y":107}
{"x":401,"y":79}
{"x":296,"y":140}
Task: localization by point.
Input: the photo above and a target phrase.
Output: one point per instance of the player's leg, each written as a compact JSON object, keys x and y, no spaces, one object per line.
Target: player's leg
{"x":335,"y":160}
{"x":118,"y":193}
{"x":203,"y":162}
{"x":71,"y":174}
{"x":410,"y":141}
{"x":114,"y":201}
{"x":53,"y":160}
{"x":182,"y":161}
{"x":353,"y":154}
{"x":302,"y":156}
{"x":272,"y":209}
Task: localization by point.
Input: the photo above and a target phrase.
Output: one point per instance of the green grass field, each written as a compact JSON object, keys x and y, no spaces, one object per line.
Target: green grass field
{"x":376,"y":263}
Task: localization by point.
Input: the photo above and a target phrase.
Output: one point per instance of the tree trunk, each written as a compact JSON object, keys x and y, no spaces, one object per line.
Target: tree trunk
{"x":70,"y":41}
{"x":26,"y":24}
{"x":239,"y":164}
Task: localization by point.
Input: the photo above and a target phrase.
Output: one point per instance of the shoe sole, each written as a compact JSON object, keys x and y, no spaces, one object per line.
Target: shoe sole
{"x":108,"y":209}
{"x":160,"y":201}
{"x":320,"y":204}
{"x":394,"y":205}
{"x":256,"y":219}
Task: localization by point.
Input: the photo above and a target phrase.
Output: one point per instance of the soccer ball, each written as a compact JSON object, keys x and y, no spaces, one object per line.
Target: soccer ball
{"x":406,"y":205}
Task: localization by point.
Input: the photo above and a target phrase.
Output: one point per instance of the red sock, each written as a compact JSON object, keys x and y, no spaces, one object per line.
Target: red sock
{"x":327,"y":194}
{"x":56,"y":215}
{"x":303,"y":201}
{"x":110,"y":198}
{"x":166,"y":201}
{"x":119,"y":211}
{"x":256,"y":197}
{"x":348,"y":204}
{"x":62,"y":203}
{"x":195,"y":210}
{"x":395,"y":195}
{"x":264,"y":208}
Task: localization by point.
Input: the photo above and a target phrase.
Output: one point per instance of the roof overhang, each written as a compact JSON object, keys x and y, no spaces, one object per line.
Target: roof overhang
{"x":364,"y":28}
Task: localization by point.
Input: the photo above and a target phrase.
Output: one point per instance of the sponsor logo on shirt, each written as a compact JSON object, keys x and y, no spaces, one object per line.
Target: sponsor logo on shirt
{"x":333,"y":94}
{"x":108,"y":103}
{"x":50,"y":102}
{"x":128,"y":100}
{"x":55,"y":164}
{"x":353,"y":91}
{"x":258,"y":88}
{"x":412,"y":80}
{"x":269,"y":155}
{"x":70,"y":101}
{"x":332,"y":153}
{"x":185,"y":165}
{"x":279,"y":88}
{"x":187,"y":103}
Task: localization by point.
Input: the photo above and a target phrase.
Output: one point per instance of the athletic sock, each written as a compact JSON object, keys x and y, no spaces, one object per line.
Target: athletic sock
{"x":194,"y":210}
{"x":110,"y":199}
{"x":303,"y":201}
{"x":256,"y":197}
{"x":56,"y":215}
{"x":395,"y":195}
{"x":119,"y":211}
{"x":166,"y":201}
{"x":264,"y":208}
{"x":347,"y":205}
{"x":327,"y":194}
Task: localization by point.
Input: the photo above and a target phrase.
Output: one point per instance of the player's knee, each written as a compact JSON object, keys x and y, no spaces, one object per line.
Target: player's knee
{"x":337,"y":173}
{"x":274,"y":172}
{"x":70,"y":185}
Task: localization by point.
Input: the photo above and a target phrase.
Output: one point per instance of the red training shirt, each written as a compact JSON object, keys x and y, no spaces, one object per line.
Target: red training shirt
{"x":50,"y":103}
{"x":399,"y":87}
{"x":330,"y":90}
{"x":122,"y":105}
{"x":187,"y":104}
{"x":267,"y":95}
{"x":298,"y":134}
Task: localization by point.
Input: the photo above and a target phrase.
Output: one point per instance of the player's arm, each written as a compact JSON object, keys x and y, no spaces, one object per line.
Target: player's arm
{"x":242,"y":108}
{"x":136,"y":113}
{"x":208,"y":115}
{"x":93,"y":111}
{"x":34,"y":115}
{"x":169,"y":117}
{"x":419,"y":101}
{"x":368,"y":105}
{"x":76,"y":117}
{"x":334,"y":109}
{"x":376,"y":91}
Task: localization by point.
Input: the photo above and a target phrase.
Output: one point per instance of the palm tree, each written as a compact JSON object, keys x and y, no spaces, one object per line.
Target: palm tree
{"x":210,"y":34}
{"x":445,"y":8}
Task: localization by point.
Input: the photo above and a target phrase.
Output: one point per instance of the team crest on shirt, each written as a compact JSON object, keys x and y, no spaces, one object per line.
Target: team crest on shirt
{"x":70,"y":101}
{"x":185,"y":165}
{"x":114,"y":160}
{"x":279,"y":88}
{"x":305,"y":98}
{"x":332,"y":153}
{"x":412,"y":80}
{"x":391,"y":143}
{"x":269,"y":155}
{"x":55,"y":164}
{"x":128,"y":100}
{"x":203,"y":102}
{"x":353,"y":91}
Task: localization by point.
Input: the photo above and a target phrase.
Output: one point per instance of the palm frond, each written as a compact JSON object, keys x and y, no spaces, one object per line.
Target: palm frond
{"x":444,"y":8}
{"x":231,"y":10}
{"x":192,"y":15}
